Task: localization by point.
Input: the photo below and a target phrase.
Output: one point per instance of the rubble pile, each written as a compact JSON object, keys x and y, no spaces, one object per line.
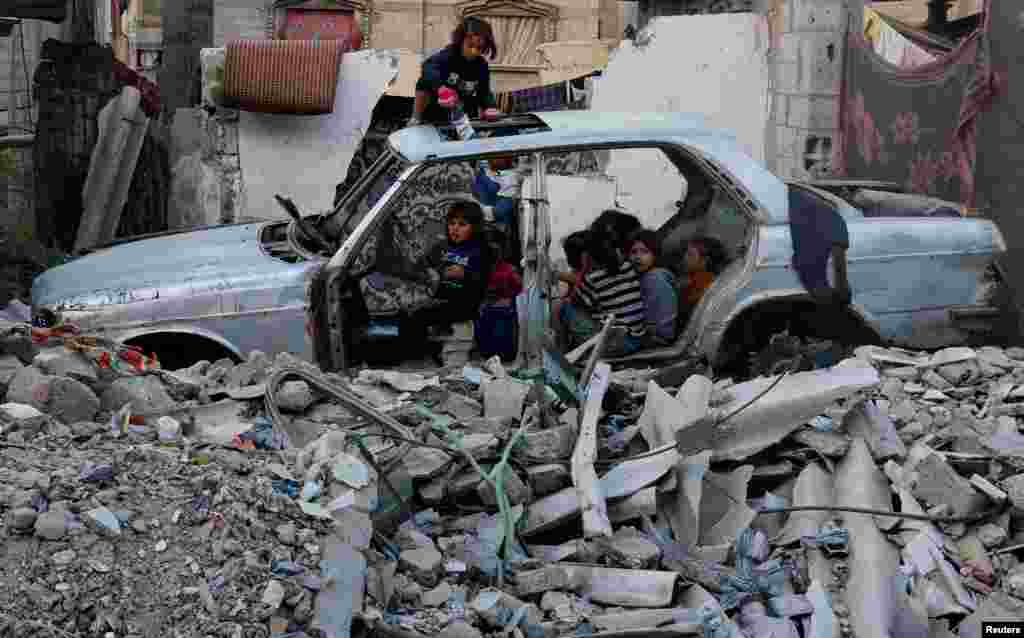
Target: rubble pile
{"x":882,"y":496}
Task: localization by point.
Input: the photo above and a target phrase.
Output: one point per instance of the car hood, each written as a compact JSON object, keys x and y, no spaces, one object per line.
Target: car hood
{"x":149,"y":268}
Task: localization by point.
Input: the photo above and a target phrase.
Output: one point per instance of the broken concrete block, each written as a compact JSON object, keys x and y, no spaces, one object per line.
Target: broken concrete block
{"x":1014,"y":487}
{"x":961,"y":374}
{"x":867,"y":421}
{"x":828,"y":444}
{"x":437,"y":596}
{"x":547,"y":479}
{"x":541,"y":580}
{"x":794,"y":401}
{"x":548,"y":445}
{"x":344,"y":570}
{"x":634,"y":548}
{"x":870,"y":588}
{"x":623,"y":587}
{"x":294,"y":396}
{"x":935,"y":381}
{"x":19,"y":412}
{"x":9,"y":366}
{"x":460,"y":630}
{"x":643,"y":503}
{"x":181,"y":387}
{"x":30,"y":387}
{"x":504,"y":398}
{"x":72,"y":401}
{"x":939,"y":484}
{"x":988,"y":489}
{"x":423,"y":463}
{"x":146,"y":395}
{"x":423,"y":564}
{"x":245,"y":374}
{"x":553,"y":600}
{"x":991,"y":535}
{"x":61,"y":362}
{"x":494,"y":605}
{"x":517,"y":491}
{"x":996,"y":357}
{"x":724,"y":512}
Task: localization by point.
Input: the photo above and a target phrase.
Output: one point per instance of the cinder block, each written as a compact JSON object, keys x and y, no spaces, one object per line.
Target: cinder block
{"x":822,"y":115}
{"x":799,"y":111}
{"x":785,"y":141}
{"x":820,"y":63}
{"x":789,"y":47}
{"x":817,"y":15}
{"x":780,"y":108}
{"x":787,"y":77}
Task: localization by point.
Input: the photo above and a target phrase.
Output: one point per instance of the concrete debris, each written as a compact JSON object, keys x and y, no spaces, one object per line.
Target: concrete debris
{"x":268,"y":498}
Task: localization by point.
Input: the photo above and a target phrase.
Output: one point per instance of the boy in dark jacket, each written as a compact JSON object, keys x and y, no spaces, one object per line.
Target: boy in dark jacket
{"x":457,"y":73}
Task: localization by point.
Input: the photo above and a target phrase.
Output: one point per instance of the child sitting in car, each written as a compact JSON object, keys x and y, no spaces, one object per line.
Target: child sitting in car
{"x":705,"y":257}
{"x":658,"y":286}
{"x":460,"y":267}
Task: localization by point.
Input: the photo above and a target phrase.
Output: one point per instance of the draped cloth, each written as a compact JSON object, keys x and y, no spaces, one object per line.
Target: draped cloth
{"x":914,"y":126}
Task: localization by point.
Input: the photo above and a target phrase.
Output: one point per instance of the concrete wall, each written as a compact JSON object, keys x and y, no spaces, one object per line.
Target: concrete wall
{"x":240,"y":20}
{"x":710,"y":65}
{"x":806,"y":72}
{"x":206,"y":176}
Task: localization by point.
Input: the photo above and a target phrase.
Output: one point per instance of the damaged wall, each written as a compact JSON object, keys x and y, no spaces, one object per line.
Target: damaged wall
{"x":229,"y":165}
{"x":206,"y":178}
{"x":808,"y":41}
{"x":304,"y":157}
{"x":696,"y":52}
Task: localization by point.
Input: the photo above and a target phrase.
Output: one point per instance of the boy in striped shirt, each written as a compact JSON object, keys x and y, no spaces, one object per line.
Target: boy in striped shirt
{"x":609,"y":290}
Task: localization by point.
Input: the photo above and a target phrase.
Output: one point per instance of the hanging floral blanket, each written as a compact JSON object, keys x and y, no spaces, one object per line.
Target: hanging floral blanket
{"x":916,"y":127}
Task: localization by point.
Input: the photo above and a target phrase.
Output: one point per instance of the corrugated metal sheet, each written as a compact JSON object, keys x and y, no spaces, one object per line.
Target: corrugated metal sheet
{"x":282,"y":76}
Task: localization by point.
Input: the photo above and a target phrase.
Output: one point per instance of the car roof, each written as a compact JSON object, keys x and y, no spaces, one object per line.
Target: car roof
{"x":589,"y":128}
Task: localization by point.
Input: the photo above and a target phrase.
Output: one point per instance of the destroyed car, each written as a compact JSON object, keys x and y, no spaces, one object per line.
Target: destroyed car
{"x":315,"y":285}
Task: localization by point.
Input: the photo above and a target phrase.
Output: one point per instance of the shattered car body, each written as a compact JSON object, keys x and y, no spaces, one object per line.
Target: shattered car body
{"x":285,"y":286}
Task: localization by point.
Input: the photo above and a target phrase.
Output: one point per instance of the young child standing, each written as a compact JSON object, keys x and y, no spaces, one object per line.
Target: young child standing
{"x":658,"y":287}
{"x":497,"y":327}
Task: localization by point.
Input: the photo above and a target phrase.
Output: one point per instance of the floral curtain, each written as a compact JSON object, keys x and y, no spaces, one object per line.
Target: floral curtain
{"x":914,"y":126}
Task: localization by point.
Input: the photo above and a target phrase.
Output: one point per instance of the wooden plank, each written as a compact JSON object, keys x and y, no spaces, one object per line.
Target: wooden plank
{"x":584,"y":476}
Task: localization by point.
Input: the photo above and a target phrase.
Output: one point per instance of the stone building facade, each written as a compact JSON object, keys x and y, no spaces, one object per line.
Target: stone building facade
{"x":424,"y":26}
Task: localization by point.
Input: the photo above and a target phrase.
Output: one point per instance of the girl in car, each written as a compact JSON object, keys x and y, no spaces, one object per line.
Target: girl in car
{"x":458,"y":73}
{"x":459,"y":267}
{"x":658,"y":286}
{"x":705,"y":257}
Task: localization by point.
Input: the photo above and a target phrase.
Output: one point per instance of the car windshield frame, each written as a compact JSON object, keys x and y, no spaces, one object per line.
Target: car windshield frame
{"x":354,"y":205}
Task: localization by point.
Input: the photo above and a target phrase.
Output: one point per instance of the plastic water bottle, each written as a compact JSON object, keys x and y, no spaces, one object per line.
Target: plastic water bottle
{"x":463,"y":128}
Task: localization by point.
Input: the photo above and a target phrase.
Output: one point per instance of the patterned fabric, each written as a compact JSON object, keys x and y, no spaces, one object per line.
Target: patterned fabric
{"x":415,"y":227}
{"x":540,"y":98}
{"x":388,"y":296}
{"x":885,"y":134}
